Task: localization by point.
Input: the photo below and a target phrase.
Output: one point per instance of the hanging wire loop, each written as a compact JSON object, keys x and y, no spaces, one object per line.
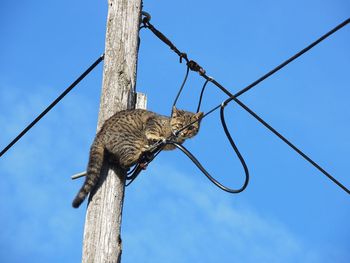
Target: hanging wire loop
{"x":148,"y":157}
{"x":204,"y":171}
{"x":182,"y":86}
{"x":234,"y":147}
{"x":290,"y":144}
{"x":202,"y":93}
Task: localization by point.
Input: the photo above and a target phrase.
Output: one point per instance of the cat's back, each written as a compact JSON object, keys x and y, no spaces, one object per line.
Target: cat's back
{"x":134,"y":119}
{"x":137,"y":115}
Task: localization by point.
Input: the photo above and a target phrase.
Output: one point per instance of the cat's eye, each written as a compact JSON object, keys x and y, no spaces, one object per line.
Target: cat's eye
{"x":190,"y":128}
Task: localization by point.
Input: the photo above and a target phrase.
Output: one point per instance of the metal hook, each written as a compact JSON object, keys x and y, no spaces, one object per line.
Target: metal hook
{"x":146,"y":17}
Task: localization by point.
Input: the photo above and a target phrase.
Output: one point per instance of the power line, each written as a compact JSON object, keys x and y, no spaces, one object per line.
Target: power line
{"x":53,"y":104}
{"x":279,"y":135}
{"x":194,"y":66}
{"x":301,"y":52}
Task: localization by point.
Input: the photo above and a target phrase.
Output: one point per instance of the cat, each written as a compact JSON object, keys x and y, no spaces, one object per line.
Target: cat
{"x":128,"y":134}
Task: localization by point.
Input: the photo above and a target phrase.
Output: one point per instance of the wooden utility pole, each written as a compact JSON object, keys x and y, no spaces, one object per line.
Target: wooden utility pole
{"x":102,"y":242}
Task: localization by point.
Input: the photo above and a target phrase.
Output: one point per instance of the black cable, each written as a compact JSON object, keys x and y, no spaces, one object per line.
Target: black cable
{"x":135,"y":172}
{"x":201,"y":94}
{"x":191,"y":123}
{"x":182,"y":86}
{"x":212,"y":179}
{"x":282,"y":65}
{"x":233,"y":145}
{"x":60,"y":97}
{"x":273,"y":71}
{"x":162,"y":37}
{"x":130,"y":173}
{"x":151,"y":155}
{"x":145,"y":159}
{"x":234,"y":97}
{"x":279,"y":135}
{"x":148,"y":157}
{"x":301,"y":52}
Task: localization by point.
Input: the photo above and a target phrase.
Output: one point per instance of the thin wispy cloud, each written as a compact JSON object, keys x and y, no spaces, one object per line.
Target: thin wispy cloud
{"x":170,"y":216}
{"x":173,"y":217}
{"x":289,"y":213}
{"x":36,"y":190}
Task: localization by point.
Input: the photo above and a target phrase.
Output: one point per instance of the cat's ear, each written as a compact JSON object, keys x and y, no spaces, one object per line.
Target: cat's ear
{"x":199,"y":115}
{"x":175,"y":112}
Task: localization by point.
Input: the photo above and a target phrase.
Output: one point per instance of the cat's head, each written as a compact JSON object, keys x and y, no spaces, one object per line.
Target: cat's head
{"x":181,"y":118}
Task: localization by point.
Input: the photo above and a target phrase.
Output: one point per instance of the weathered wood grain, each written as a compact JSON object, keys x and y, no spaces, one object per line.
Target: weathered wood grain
{"x":102,"y":242}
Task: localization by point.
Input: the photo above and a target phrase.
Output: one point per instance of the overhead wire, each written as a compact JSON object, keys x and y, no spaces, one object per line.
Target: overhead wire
{"x":194,"y":66}
{"x":53,"y":104}
{"x":201,"y":94}
{"x":182,"y":85}
{"x":298,"y":54}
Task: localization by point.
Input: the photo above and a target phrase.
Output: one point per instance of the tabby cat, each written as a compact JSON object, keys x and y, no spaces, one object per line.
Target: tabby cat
{"x":128,"y":134}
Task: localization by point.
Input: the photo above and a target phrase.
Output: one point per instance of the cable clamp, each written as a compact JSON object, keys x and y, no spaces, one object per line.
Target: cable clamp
{"x":194,"y":66}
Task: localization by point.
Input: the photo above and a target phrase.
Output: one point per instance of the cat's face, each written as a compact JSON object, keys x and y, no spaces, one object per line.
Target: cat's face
{"x":181,"y":118}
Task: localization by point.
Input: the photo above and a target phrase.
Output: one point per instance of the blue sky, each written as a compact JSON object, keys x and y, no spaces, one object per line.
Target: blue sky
{"x":289,"y":212}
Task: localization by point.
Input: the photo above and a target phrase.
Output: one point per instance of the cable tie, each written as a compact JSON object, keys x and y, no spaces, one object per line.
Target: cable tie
{"x":194,"y":66}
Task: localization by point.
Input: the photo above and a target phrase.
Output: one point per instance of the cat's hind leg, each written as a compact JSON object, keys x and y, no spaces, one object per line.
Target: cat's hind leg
{"x":130,"y":157}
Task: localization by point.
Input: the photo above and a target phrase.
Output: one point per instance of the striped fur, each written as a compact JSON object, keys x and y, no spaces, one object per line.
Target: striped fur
{"x":129,"y":133}
{"x":93,"y":172}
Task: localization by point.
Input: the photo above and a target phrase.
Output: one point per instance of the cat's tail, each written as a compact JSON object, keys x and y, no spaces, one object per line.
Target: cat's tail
{"x":93,"y":172}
